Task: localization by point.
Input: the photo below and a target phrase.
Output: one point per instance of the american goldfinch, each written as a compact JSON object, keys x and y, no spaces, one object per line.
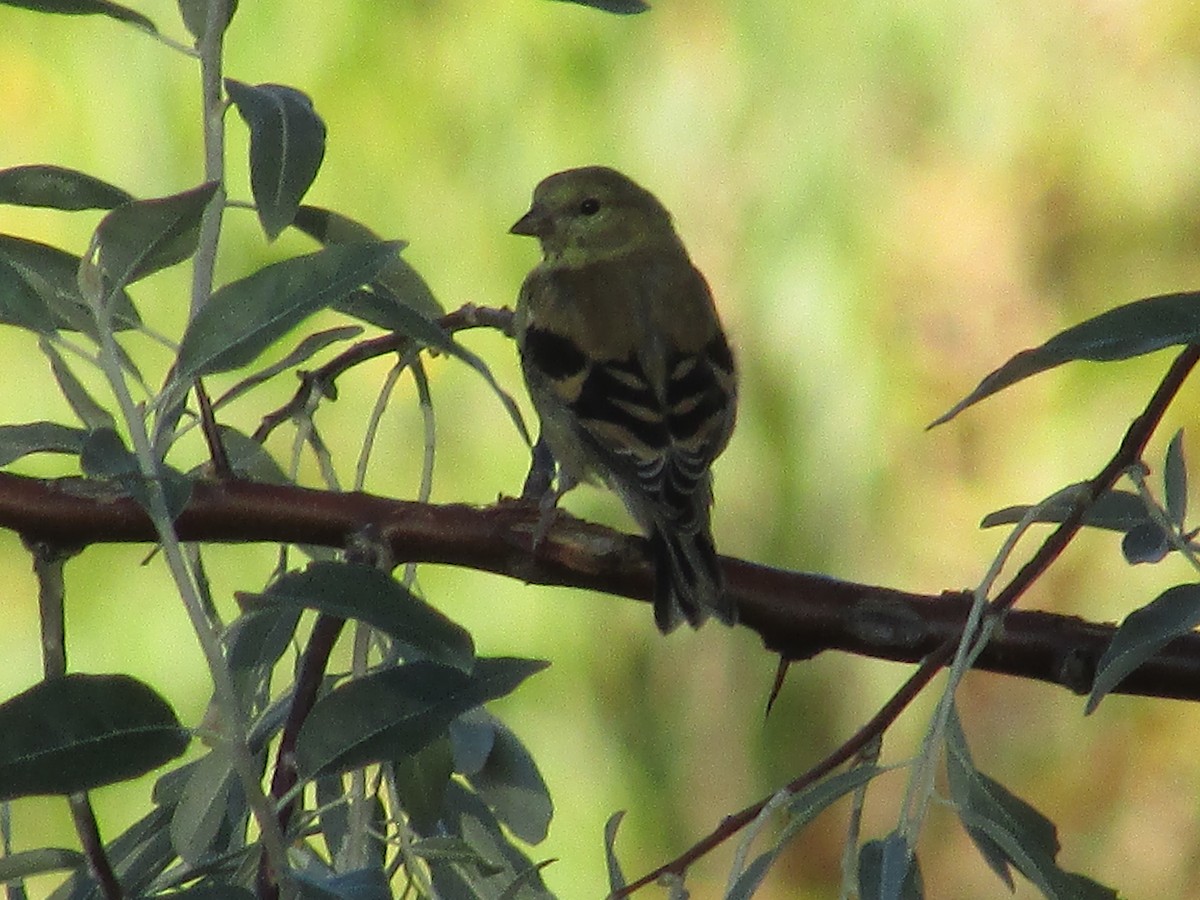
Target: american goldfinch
{"x":630,"y":372}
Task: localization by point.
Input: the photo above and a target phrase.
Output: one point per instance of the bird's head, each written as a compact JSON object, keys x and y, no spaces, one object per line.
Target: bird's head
{"x":595,"y":213}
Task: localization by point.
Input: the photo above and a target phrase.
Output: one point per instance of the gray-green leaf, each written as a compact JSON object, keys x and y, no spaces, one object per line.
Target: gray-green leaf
{"x":89,"y":410}
{"x":1134,"y":329}
{"x":421,"y":781}
{"x":402,"y":282}
{"x":287,"y":144}
{"x":1007,"y":830}
{"x":86,"y":8}
{"x":27,"y":863}
{"x":39,"y":291}
{"x":1175,"y":480}
{"x":889,"y":870}
{"x":511,"y":784}
{"x":616,"y":877}
{"x":619,"y":7}
{"x":1145,"y":631}
{"x":38,"y":437}
{"x":388,"y":714}
{"x":195,"y":15}
{"x":79,"y":732}
{"x":801,"y":810}
{"x":1112,"y":511}
{"x":242,"y":319}
{"x":143,"y":236}
{"x":1146,"y":543}
{"x":353,"y":591}
{"x":57,"y":188}
{"x":202,"y":807}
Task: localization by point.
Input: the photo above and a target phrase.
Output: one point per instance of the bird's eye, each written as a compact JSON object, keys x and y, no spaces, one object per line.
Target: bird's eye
{"x":590,"y":206}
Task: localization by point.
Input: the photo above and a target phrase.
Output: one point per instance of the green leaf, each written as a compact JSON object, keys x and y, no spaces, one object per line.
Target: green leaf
{"x":1134,"y":329}
{"x":403,"y":284}
{"x":353,"y":591}
{"x":80,"y":732}
{"x":249,"y":459}
{"x":1112,"y":511}
{"x":529,"y":877}
{"x":888,"y":870}
{"x":801,"y":810}
{"x":453,"y":849}
{"x":1175,"y":481}
{"x":359,"y":884}
{"x":1145,"y":544}
{"x":1145,"y":631}
{"x":1052,"y":881}
{"x":970,"y":788}
{"x":17,"y":441}
{"x":259,"y":637}
{"x":421,"y":781}
{"x":498,"y":865}
{"x":91,"y":413}
{"x":619,"y":7}
{"x":168,"y":787}
{"x":202,"y":806}
{"x":616,"y":877}
{"x":212,"y":890}
{"x":195,"y":15}
{"x":22,"y":299}
{"x":39,"y":291}
{"x":305,"y":350}
{"x":242,"y":319}
{"x":471,"y":739}
{"x":58,"y":188}
{"x":105,"y":456}
{"x":399,"y":300}
{"x":398,"y":711}
{"x":86,"y":8}
{"x":511,"y":785}
{"x":379,"y":306}
{"x":287,"y":144}
{"x":144,"y":236}
{"x":1007,"y":830}
{"x":28,"y":863}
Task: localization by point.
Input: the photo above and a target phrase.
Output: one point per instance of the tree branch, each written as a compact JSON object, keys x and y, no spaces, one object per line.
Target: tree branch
{"x":797,"y":614}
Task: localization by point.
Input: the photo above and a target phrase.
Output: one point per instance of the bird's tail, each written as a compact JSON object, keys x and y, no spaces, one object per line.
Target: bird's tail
{"x":687,"y":580}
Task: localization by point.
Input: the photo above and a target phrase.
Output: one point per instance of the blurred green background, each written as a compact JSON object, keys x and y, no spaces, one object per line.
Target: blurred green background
{"x":888,"y":198}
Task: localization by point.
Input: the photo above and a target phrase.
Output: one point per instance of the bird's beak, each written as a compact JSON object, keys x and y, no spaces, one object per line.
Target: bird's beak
{"x":534,"y":223}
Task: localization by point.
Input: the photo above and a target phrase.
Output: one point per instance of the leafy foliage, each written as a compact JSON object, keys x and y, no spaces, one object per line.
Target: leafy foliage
{"x":392,"y":774}
{"x":412,"y":711}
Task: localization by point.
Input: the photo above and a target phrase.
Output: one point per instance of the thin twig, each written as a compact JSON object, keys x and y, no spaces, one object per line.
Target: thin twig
{"x":93,"y":846}
{"x":321,"y":380}
{"x":308,"y":682}
{"x":48,"y":563}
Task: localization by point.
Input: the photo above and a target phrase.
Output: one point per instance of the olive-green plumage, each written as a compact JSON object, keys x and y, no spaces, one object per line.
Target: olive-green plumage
{"x":630,"y":372}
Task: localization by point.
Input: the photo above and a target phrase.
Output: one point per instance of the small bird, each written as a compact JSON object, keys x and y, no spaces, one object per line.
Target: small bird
{"x":630,"y":372}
